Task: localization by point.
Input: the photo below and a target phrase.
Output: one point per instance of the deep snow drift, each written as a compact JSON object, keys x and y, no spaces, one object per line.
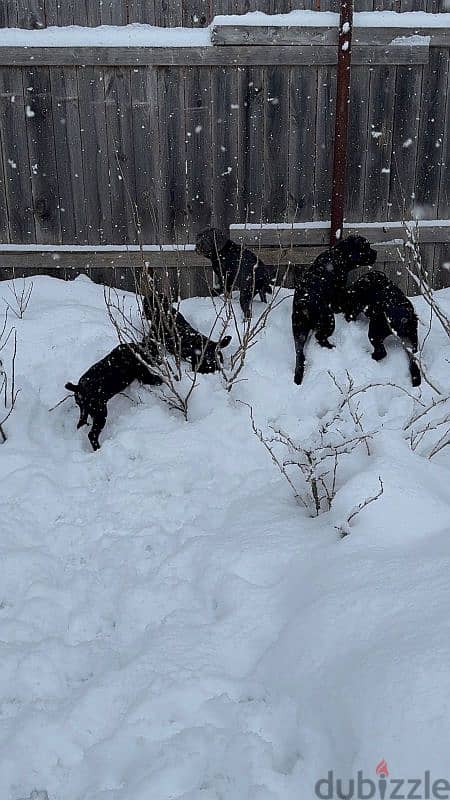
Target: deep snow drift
{"x":172,"y":623}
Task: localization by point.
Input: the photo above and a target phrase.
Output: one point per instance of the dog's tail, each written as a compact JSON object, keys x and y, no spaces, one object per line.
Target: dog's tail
{"x":71,"y":387}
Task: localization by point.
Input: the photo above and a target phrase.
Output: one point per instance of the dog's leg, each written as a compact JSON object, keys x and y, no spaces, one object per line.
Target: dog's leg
{"x":377,"y":333}
{"x":299,"y":341}
{"x":245,"y":299}
{"x":83,"y":417}
{"x":98,"y":423}
{"x":325,"y":328}
{"x":411,"y":346}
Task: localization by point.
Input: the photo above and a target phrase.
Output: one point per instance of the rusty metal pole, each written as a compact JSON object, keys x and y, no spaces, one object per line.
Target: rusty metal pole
{"x":341,"y":122}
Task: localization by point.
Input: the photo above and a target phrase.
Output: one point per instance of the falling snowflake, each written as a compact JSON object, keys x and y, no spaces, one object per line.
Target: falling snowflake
{"x":29,"y":112}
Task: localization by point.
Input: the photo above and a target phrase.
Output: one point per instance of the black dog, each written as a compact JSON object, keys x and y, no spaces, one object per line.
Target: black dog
{"x":318,"y":293}
{"x":105,"y":379}
{"x":170,"y":329}
{"x":235,"y":267}
{"x":389,"y":312}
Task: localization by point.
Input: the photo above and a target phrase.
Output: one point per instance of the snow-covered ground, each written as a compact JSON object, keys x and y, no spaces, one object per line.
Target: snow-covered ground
{"x":173,"y":625}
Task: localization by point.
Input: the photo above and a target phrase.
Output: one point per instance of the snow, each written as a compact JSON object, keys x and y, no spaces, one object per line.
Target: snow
{"x":140,"y":35}
{"x":361,"y":19}
{"x":134,"y":35}
{"x":325,"y":224}
{"x":172,"y":624}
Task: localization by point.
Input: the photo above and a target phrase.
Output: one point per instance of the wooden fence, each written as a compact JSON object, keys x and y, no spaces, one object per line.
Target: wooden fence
{"x":234,"y":133}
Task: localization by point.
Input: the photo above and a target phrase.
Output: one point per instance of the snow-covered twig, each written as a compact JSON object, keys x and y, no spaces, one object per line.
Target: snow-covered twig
{"x":344,"y":528}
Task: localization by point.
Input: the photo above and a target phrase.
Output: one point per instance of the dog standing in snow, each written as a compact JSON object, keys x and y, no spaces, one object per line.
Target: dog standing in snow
{"x":106,"y":378}
{"x":235,"y":267}
{"x":170,"y":329}
{"x":318,"y":293}
{"x":389,"y":312}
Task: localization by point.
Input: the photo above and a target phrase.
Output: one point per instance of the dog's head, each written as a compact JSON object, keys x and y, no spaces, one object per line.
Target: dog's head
{"x":210,"y":242}
{"x":210,"y":358}
{"x":355,"y":251}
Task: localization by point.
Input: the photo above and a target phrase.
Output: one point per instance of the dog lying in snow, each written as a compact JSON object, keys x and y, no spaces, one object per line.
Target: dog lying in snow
{"x":169,"y":328}
{"x":235,"y":267}
{"x":389,"y":312}
{"x":105,"y":379}
{"x":318,"y":293}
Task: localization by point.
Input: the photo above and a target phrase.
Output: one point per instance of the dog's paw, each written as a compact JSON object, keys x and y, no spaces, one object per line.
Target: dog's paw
{"x":327,"y":344}
{"x":298,"y":378}
{"x":378,"y":355}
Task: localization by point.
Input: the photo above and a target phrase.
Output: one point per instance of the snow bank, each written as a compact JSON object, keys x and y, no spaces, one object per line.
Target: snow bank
{"x":135,"y":35}
{"x":172,"y":624}
{"x":361,"y":19}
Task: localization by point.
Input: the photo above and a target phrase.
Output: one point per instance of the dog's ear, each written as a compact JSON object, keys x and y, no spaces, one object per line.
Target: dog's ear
{"x":225,"y":342}
{"x":71,"y":387}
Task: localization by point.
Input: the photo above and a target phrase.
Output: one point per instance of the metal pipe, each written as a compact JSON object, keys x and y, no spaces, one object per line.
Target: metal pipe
{"x":341,"y":121}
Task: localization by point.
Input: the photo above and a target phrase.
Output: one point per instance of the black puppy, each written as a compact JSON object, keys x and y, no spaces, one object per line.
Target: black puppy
{"x":318,"y":293}
{"x":105,"y":379}
{"x":235,"y":267}
{"x":389,"y":312}
{"x":170,"y":329}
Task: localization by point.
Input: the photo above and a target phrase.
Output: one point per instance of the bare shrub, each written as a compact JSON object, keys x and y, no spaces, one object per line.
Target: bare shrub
{"x":21,"y":295}
{"x":8,"y":391}
{"x":427,"y":430}
{"x":313,"y":467}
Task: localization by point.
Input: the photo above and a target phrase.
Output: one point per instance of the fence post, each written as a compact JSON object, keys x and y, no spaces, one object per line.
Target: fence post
{"x":341,"y":122}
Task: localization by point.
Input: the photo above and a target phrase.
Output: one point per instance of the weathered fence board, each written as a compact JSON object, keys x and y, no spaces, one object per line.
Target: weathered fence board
{"x":209,"y":56}
{"x":69,"y":157}
{"x":41,"y":151}
{"x":302,"y":137}
{"x":15,"y":156}
{"x":95,"y":154}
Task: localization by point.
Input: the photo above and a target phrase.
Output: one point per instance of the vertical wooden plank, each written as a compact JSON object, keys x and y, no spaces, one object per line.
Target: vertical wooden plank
{"x":172,"y":136}
{"x":168,"y":14}
{"x":65,"y":12}
{"x":326,"y":96}
{"x":379,"y":142}
{"x":119,"y":121}
{"x":69,"y":158}
{"x":113,"y":12}
{"x":15,"y":156}
{"x":276,"y":143}
{"x":95,"y":154}
{"x":145,"y":149}
{"x":357,"y":143}
{"x":87,"y":12}
{"x":198,"y":112}
{"x":4,"y":222}
{"x":41,"y":149}
{"x":51,"y":12}
{"x":142,"y":11}
{"x":252,"y":164}
{"x":196,"y":13}
{"x":302,"y":137}
{"x":433,"y":120}
{"x":404,"y":141}
{"x":10,"y":13}
{"x":226,"y":138}
{"x":31,"y":14}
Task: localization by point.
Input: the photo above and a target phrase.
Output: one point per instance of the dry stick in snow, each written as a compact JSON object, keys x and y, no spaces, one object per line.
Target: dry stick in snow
{"x":344,"y":528}
{"x":8,"y":391}
{"x":21,"y":298}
